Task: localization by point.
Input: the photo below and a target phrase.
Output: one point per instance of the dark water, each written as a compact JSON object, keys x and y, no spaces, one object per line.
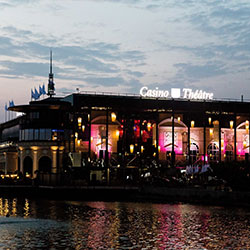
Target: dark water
{"x":42,"y":224}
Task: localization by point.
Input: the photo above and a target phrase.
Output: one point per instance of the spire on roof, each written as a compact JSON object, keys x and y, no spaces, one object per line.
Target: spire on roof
{"x":51,"y":84}
{"x":51,"y":62}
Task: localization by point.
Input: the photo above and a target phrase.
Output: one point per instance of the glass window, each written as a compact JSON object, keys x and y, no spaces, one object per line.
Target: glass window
{"x":194,"y":152}
{"x":30,"y":134}
{"x":48,"y":134}
{"x":213,"y":152}
{"x":23,"y":135}
{"x":36,"y":134}
{"x":34,"y":115}
{"x":42,"y":134}
{"x":26,"y":134}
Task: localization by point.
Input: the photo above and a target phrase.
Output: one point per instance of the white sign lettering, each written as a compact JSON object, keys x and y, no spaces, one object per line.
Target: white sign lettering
{"x":145,"y":92}
{"x":176,"y":93}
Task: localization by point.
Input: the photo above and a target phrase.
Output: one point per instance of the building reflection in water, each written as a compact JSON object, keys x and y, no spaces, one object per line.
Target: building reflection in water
{"x":118,"y":225}
{"x":14,"y":207}
{"x":26,"y":208}
{"x":1,"y":207}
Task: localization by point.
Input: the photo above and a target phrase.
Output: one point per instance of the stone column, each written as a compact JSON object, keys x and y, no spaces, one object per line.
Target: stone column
{"x":6,"y":163}
{"x":61,"y":149}
{"x":219,"y":139}
{"x":188,"y":143}
{"x":235,"y":139}
{"x":107,"y":139}
{"x":89,"y":123}
{"x":173,"y":152}
{"x":204,"y":140}
{"x":157,"y":137}
{"x":248,"y":139}
{"x":35,"y":161}
{"x":21,"y":159}
{"x":54,"y":159}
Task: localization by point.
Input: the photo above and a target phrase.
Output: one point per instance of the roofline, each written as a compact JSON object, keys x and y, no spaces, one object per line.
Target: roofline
{"x":137,"y":96}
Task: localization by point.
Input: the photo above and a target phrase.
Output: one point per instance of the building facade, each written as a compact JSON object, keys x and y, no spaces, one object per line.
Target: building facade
{"x":101,"y":133}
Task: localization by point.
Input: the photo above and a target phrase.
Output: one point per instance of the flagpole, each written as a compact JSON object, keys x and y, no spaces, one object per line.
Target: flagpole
{"x":5,"y":114}
{"x":10,"y":113}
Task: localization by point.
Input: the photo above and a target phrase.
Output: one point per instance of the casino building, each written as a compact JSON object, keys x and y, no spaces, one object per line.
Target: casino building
{"x":102,"y":133}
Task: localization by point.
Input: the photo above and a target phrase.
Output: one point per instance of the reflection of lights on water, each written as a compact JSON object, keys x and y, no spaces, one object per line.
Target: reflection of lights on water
{"x":14,"y":209}
{"x":123,"y":225}
{"x":26,"y":208}
{"x":5,"y":207}
{"x":1,"y":206}
{"x":8,"y":207}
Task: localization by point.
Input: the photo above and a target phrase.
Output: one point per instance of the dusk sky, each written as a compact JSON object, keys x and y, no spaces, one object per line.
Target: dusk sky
{"x":122,"y":45}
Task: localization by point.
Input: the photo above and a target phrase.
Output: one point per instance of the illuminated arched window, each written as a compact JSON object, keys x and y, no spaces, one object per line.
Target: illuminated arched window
{"x":213,"y":152}
{"x":194,"y":151}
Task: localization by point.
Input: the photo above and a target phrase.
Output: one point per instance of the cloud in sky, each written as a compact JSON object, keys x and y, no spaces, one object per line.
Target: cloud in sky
{"x":121,"y":45}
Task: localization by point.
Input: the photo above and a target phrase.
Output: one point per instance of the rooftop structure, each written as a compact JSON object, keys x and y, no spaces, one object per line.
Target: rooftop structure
{"x":100,"y":133}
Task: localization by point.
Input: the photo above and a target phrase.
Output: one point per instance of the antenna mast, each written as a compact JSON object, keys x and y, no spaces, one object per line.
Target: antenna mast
{"x":51,"y":84}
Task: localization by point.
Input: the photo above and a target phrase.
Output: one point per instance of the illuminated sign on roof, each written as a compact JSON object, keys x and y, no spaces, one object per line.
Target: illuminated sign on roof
{"x":184,"y":93}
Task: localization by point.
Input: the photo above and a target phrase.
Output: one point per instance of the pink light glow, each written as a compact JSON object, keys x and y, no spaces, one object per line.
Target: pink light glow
{"x":241,"y":151}
{"x":98,"y":143}
{"x":161,"y":144}
{"x":240,"y":147}
{"x":202,"y":158}
{"x":167,"y":145}
{"x":178,"y":149}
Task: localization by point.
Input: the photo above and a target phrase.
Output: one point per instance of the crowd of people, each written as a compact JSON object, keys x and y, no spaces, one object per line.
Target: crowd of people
{"x":198,"y":169}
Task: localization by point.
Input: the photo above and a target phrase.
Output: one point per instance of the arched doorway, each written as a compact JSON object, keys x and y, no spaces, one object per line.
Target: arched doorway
{"x":213,"y":152}
{"x":98,"y":135}
{"x":194,"y":152}
{"x":44,"y":164}
{"x":229,"y":152}
{"x":171,"y":144}
{"x":28,"y":166}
